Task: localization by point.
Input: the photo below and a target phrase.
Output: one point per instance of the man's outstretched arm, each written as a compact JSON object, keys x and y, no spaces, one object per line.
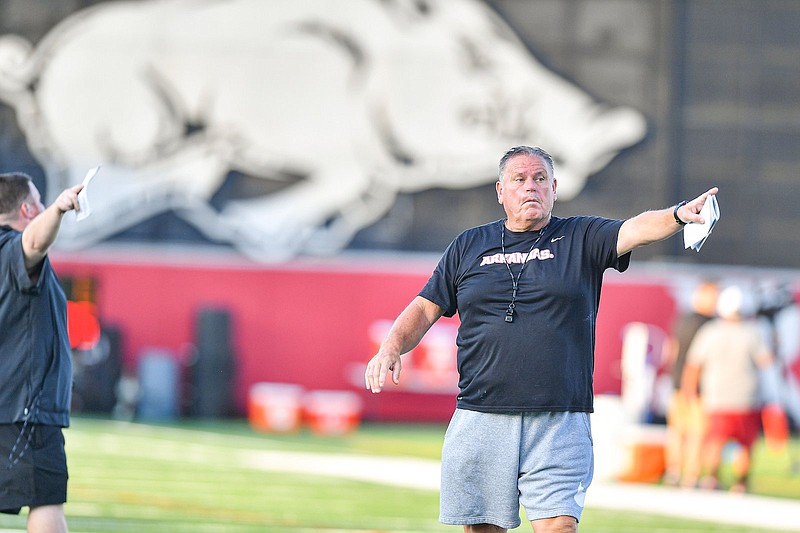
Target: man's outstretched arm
{"x":653,"y":226}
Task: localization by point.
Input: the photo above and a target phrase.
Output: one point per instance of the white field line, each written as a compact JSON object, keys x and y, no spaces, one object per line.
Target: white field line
{"x":396,"y":471}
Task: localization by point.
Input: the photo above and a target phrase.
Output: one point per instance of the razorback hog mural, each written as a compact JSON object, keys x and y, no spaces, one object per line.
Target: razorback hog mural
{"x":339,"y":104}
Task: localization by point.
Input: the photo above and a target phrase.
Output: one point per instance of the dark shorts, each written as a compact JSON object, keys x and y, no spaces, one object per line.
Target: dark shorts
{"x":33,"y":467}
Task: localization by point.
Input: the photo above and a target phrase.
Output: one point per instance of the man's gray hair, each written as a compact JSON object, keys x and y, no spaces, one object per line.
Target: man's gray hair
{"x":533,"y":151}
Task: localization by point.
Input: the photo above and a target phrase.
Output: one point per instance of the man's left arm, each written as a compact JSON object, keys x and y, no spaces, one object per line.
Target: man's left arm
{"x":653,"y":226}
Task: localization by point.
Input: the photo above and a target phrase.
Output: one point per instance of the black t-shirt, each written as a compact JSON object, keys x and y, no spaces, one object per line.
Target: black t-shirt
{"x":544,"y":359}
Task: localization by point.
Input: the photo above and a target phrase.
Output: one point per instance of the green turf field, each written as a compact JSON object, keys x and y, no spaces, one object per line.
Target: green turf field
{"x":202,"y":477}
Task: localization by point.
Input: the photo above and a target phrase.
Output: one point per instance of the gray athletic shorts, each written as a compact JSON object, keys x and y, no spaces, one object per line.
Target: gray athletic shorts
{"x":493,"y":463}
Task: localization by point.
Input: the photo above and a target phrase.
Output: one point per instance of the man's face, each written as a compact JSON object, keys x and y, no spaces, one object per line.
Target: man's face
{"x":527,"y":192}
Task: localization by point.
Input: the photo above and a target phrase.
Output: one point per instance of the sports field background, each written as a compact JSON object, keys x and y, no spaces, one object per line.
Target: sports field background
{"x":208,"y":477}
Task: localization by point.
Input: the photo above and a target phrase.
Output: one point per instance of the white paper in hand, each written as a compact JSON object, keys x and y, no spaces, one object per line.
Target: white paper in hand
{"x":695,"y":235}
{"x":83,"y":196}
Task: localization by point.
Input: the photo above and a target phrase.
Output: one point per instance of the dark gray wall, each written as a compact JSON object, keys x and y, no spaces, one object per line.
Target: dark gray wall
{"x":719,"y":83}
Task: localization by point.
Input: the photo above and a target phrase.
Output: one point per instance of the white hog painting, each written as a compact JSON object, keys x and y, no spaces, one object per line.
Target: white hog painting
{"x":347,"y":102}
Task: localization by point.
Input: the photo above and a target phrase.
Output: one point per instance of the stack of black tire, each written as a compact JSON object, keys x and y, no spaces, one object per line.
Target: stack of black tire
{"x":212,"y":369}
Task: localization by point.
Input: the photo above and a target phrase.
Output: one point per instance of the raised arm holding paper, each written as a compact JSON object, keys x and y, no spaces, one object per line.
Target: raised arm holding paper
{"x":652,"y":226}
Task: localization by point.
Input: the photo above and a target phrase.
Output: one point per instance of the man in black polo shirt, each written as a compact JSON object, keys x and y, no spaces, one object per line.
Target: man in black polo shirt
{"x":526,"y":289}
{"x":35,"y":356}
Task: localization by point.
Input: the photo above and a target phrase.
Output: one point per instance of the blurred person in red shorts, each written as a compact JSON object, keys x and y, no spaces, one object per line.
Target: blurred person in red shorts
{"x":725,"y":359}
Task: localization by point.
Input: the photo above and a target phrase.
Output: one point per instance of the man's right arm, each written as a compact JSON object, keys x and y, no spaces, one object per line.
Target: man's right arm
{"x":406,"y":332}
{"x":41,"y":232}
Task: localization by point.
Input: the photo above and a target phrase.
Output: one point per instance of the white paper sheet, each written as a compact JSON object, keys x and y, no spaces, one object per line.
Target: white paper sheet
{"x":695,"y":235}
{"x":83,"y":196}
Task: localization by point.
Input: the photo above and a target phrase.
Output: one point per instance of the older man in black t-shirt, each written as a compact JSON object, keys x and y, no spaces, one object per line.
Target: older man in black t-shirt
{"x":527,"y":290}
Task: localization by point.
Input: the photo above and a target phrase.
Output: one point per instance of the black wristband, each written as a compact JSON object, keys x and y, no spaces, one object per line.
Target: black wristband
{"x":675,"y":213}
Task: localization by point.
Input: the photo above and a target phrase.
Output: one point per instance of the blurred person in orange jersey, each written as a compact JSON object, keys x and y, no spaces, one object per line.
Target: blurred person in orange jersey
{"x":725,"y":359}
{"x":685,"y":418}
